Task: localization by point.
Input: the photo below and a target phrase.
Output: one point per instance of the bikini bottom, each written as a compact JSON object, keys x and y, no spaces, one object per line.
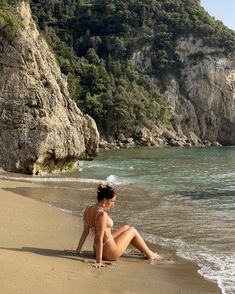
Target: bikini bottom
{"x":110,"y":239}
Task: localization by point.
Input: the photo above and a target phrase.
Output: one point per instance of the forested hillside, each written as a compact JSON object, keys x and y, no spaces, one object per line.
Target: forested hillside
{"x":95,"y":42}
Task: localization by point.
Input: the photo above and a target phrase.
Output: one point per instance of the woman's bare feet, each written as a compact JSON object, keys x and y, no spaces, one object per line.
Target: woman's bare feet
{"x":152,"y":256}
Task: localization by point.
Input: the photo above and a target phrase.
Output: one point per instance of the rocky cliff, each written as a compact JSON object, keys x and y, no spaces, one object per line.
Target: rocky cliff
{"x":41,"y":128}
{"x":208,"y":86}
{"x":203,"y":95}
{"x":150,"y":72}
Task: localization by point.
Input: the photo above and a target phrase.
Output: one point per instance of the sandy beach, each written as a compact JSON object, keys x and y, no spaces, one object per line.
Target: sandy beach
{"x":32,"y":238}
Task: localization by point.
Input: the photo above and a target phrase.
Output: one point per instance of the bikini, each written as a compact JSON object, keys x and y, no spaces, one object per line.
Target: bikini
{"x":93,"y":228}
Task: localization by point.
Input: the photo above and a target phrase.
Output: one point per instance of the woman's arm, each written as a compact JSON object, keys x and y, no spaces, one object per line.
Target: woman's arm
{"x":99,"y":235}
{"x":83,"y":237}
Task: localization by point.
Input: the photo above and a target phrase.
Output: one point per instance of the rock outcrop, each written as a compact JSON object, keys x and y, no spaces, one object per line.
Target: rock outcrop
{"x":203,"y":96}
{"x":208,"y":78}
{"x":41,"y":128}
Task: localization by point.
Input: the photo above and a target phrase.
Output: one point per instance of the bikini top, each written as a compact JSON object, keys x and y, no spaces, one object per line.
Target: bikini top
{"x":109,"y":222}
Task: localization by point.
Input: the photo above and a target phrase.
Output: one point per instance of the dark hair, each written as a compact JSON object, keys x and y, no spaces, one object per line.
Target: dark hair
{"x":104,"y":191}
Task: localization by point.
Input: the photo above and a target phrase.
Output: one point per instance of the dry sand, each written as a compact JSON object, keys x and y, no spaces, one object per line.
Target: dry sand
{"x":33,"y":236}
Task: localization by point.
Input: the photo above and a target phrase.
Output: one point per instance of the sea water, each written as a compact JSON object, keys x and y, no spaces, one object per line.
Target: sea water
{"x":179,"y":198}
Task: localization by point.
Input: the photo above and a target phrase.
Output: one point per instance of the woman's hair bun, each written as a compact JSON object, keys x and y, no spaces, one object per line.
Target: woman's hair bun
{"x":101,"y":186}
{"x":104,"y":191}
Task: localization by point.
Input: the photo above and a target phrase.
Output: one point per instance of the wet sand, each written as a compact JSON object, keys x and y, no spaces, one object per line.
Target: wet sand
{"x":33,"y":236}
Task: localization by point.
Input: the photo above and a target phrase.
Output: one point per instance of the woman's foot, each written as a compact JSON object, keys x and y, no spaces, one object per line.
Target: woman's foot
{"x":152,"y":256}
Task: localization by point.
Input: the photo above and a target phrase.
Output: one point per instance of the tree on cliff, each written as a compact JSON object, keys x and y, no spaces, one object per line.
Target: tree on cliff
{"x":95,"y":42}
{"x":9,"y":24}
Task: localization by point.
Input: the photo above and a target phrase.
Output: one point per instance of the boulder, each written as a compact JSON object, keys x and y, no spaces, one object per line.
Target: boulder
{"x":41,"y":128}
{"x":121,"y":138}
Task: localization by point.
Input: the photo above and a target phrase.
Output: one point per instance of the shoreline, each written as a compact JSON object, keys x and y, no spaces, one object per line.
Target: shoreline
{"x":33,"y":235}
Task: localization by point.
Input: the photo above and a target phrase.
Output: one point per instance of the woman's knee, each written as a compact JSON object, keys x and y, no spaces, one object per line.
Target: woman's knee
{"x":126,"y":227}
{"x":133,"y":230}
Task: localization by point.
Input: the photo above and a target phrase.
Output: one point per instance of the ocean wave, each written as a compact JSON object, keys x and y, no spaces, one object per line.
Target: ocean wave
{"x":61,"y":209}
{"x":216,"y":267}
{"x":227,"y":188}
{"x":111,"y":179}
{"x":220,"y":270}
{"x":102,"y":165}
{"x":114,"y":180}
{"x":52,"y":180}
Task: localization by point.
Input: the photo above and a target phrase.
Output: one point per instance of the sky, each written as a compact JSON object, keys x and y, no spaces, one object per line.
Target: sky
{"x":223,"y":10}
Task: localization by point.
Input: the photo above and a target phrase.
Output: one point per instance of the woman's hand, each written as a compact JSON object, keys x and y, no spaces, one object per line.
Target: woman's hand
{"x":73,"y":251}
{"x":98,"y":264}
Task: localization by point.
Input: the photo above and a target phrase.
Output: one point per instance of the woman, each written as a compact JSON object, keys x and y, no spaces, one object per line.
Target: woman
{"x":107,"y":244}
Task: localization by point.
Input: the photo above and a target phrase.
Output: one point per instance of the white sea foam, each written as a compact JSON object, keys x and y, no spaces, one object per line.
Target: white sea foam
{"x":61,"y":209}
{"x":216,"y":267}
{"x":114,"y":180}
{"x":228,"y":188}
{"x":221,"y":269}
{"x":111,"y":179}
{"x":102,"y":165}
{"x":52,"y":180}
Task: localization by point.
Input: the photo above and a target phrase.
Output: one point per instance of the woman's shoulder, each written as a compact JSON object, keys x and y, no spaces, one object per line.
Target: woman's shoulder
{"x":87,"y":211}
{"x":101,"y":213}
{"x":88,"y":207}
{"x":92,"y":210}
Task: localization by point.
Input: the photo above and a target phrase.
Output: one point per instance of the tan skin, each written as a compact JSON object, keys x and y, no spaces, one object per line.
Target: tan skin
{"x":120,"y":239}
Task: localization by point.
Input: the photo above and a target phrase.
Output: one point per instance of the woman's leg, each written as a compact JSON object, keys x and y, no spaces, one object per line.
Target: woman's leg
{"x":120,"y":230}
{"x":132,"y":236}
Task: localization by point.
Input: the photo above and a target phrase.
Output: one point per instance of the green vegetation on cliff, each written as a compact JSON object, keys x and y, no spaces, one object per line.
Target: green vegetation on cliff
{"x":95,"y":41}
{"x":9,"y":24}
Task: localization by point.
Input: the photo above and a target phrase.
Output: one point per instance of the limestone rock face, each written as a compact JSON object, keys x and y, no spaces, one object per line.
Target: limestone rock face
{"x":41,"y":128}
{"x":203,"y":97}
{"x":208,"y":79}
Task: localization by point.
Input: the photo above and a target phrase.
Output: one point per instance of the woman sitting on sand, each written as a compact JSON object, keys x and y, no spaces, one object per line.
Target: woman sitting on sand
{"x":108,"y":245}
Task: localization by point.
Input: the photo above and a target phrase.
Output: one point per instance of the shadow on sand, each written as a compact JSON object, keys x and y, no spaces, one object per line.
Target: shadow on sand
{"x":84,"y":256}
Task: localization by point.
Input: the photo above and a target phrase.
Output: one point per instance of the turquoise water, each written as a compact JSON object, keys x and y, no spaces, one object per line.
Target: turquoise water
{"x":180,"y":198}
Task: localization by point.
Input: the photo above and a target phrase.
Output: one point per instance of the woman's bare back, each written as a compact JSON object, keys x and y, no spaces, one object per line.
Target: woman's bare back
{"x":91,"y":215}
